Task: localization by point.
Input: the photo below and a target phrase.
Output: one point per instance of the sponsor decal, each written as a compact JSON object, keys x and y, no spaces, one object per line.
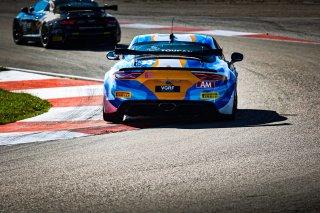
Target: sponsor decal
{"x":148,"y":74}
{"x":205,"y":84}
{"x":91,"y":21}
{"x":123,"y":94}
{"x":176,"y":51}
{"x":90,"y":27}
{"x":165,"y":81}
{"x":209,"y":95}
{"x":168,"y":88}
{"x":57,"y":38}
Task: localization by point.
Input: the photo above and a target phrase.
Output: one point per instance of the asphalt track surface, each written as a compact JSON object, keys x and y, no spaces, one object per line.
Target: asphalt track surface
{"x":268,"y":160}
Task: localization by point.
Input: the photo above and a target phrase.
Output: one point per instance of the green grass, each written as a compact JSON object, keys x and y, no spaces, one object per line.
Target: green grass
{"x":18,"y":106}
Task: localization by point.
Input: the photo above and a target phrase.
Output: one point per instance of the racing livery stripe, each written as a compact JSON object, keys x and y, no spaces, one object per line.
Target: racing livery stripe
{"x":77,"y":101}
{"x":44,"y":83}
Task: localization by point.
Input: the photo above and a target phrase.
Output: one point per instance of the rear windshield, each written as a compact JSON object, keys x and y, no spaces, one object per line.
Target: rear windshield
{"x":177,"y":46}
{"x":75,"y":3}
{"x":166,"y":46}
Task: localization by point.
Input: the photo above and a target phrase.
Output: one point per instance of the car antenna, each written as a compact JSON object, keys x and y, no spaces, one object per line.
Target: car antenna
{"x":171,"y":35}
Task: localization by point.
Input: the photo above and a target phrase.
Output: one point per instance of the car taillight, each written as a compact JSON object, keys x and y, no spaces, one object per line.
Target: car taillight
{"x":127,"y":75}
{"x":67,"y":22}
{"x":110,"y":21}
{"x":209,"y":76}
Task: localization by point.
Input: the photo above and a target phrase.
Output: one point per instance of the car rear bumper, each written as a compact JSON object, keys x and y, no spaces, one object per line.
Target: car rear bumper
{"x":90,"y":35}
{"x":134,"y":108}
{"x":64,"y":35}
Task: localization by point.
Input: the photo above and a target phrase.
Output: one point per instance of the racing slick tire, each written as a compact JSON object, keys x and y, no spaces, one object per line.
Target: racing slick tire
{"x":45,"y":37}
{"x":232,"y":116}
{"x":17,"y":34}
{"x":116,"y":117}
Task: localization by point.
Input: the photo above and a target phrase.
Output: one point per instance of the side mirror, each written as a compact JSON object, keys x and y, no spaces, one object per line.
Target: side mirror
{"x":25,"y":10}
{"x":112,"y":56}
{"x":31,"y":9}
{"x":236,"y":57}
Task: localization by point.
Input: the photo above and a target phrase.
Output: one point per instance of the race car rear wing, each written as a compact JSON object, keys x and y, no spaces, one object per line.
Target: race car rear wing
{"x":121,"y":51}
{"x":204,"y":70}
{"x":105,"y":7}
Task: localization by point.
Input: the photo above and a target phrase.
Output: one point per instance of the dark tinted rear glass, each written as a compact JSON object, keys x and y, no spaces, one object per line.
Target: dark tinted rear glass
{"x":75,"y":3}
{"x":165,"y":46}
{"x":176,"y":47}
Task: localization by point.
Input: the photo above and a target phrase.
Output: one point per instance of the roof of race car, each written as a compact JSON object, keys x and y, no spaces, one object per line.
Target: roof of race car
{"x":196,"y":38}
{"x":66,"y":1}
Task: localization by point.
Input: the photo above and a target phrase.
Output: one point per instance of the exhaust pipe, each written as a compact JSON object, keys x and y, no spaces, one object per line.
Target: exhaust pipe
{"x":167,"y":107}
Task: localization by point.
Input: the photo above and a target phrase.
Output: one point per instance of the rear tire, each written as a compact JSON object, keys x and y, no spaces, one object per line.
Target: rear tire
{"x":232,"y":116}
{"x":17,"y":34}
{"x":116,"y":117}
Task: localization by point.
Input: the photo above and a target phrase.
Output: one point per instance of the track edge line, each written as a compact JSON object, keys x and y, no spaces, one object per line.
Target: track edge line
{"x":54,"y":74}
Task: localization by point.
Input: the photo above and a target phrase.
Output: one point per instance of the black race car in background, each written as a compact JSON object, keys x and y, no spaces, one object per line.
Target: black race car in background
{"x":60,"y":21}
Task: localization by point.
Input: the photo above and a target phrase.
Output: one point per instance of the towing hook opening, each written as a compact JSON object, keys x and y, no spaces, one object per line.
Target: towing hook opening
{"x":167,"y":107}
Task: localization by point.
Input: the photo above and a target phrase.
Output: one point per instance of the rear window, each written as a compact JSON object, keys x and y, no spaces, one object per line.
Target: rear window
{"x":177,"y":46}
{"x":75,"y":3}
{"x":165,"y":46}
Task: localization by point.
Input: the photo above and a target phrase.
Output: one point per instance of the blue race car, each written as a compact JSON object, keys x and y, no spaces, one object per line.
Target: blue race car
{"x":171,"y":74}
{"x":60,"y":21}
